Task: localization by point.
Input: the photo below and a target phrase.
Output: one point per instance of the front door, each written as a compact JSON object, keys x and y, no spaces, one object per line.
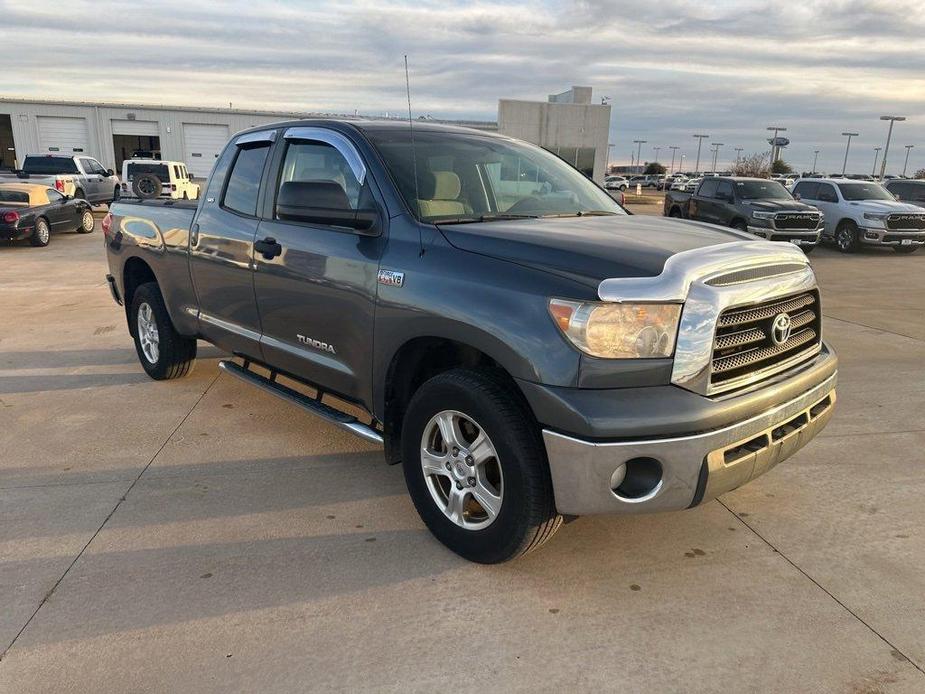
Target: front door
{"x":222,"y":247}
{"x":316,"y":292}
{"x":62,"y":215}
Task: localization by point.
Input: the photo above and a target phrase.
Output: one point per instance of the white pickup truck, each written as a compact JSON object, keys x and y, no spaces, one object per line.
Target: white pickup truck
{"x":74,"y":176}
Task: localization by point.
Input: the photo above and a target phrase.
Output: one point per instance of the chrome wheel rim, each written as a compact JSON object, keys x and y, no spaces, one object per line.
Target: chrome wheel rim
{"x":87,"y":221}
{"x":462,"y":470}
{"x":43,"y":232}
{"x":148,"y":336}
{"x":844,"y":239}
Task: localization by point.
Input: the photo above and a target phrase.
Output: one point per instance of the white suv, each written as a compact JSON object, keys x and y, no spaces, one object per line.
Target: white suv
{"x":863,"y":212}
{"x":176,"y":182}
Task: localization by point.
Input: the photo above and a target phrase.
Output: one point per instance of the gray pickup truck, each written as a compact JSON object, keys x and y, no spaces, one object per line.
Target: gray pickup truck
{"x":74,"y":176}
{"x":522,"y":346}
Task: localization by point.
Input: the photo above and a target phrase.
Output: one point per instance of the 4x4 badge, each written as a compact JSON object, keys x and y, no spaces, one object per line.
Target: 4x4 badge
{"x":391,"y":278}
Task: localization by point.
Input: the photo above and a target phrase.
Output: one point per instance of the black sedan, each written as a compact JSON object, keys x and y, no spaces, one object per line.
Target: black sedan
{"x":31,"y":211}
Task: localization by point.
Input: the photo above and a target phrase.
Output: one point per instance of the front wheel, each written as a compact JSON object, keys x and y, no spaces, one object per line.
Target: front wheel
{"x":162,"y":351}
{"x":807,"y":249}
{"x":86,"y":222}
{"x":905,"y":249}
{"x":846,"y":238}
{"x":476,"y":468}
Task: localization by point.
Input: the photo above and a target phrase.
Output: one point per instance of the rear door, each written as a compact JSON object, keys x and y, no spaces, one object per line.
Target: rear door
{"x":702,"y":203}
{"x":222,"y":246}
{"x":317,"y":295}
{"x":724,"y":203}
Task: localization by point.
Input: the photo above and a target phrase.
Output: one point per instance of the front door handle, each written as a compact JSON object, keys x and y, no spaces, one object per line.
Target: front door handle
{"x":268,"y":248}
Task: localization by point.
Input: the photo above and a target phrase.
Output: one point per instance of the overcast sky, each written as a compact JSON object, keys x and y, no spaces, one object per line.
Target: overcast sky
{"x":672,"y":67}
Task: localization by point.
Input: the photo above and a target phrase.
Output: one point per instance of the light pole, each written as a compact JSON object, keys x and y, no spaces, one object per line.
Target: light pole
{"x":876,"y":157}
{"x":815,"y":159}
{"x":716,"y":146}
{"x":674,"y":150}
{"x":739,"y":153}
{"x":889,"y":134}
{"x":699,"y":142}
{"x":776,"y":129}
{"x":657,"y":150}
{"x":847,"y":147}
{"x":908,"y":147}
{"x":681,"y":162}
{"x":639,"y":144}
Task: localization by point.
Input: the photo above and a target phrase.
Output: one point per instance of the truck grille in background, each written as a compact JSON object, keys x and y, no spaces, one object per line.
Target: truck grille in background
{"x":806,"y":221}
{"x":744,"y":349}
{"x":905,"y":221}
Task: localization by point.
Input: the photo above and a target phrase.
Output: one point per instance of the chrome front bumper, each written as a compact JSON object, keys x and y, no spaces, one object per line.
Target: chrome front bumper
{"x":799,"y":237}
{"x":694,"y":468}
{"x":891,"y":237}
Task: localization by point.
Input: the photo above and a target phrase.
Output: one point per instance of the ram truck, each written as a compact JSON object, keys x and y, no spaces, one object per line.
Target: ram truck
{"x":522,"y":346}
{"x":758,"y":206}
{"x":864,"y":213}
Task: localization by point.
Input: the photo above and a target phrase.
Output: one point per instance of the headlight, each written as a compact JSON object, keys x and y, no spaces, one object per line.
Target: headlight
{"x":875,"y":216}
{"x":763,"y":215}
{"x":618,"y":331}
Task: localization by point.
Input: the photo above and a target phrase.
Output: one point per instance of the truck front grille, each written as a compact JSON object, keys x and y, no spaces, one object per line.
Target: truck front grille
{"x":905,"y":221}
{"x":748,"y":348}
{"x":805,"y":221}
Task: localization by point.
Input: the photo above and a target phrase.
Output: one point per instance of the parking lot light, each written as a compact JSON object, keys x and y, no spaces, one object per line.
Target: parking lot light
{"x":889,"y":134}
{"x":699,"y":142}
{"x":876,"y":157}
{"x":639,"y":144}
{"x":674,"y":150}
{"x":905,"y":166}
{"x":847,"y":147}
{"x":815,"y":159}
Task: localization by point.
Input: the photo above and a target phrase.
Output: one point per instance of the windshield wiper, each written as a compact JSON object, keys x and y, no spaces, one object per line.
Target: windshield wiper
{"x":485,"y":218}
{"x":583,"y":213}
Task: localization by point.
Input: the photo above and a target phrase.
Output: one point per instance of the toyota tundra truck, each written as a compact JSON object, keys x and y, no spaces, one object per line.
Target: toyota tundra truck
{"x":758,"y":206}
{"x":523,"y":347}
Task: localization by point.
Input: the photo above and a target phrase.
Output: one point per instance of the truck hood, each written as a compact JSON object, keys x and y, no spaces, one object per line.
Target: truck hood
{"x":588,"y":249}
{"x":887,"y":206}
{"x":773,"y":205}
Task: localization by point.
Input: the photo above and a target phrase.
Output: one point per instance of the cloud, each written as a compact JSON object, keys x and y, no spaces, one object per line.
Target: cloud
{"x":672,"y":67}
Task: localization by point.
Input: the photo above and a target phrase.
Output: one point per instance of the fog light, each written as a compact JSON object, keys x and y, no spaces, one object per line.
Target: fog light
{"x":638,"y":479}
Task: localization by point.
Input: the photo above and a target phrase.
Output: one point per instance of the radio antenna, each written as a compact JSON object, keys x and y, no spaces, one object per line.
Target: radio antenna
{"x":414,"y":158}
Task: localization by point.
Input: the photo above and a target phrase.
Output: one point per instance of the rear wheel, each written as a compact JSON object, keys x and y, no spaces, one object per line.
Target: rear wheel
{"x":846,"y":237}
{"x":674,"y":212}
{"x":41,"y":234}
{"x":905,"y":249}
{"x":162,"y":351}
{"x":86,"y":222}
{"x":739,"y":225}
{"x":476,"y":468}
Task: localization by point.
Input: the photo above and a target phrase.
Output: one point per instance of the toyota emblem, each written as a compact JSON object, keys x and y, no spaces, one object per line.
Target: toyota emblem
{"x":780,"y":329}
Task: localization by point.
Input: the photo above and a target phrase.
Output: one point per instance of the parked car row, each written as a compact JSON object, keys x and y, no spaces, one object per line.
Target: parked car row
{"x":848,"y":213}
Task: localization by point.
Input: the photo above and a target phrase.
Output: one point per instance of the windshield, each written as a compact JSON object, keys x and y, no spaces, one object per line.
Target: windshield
{"x":462,"y":177}
{"x":864,"y":191}
{"x":762,"y":190}
{"x":49,"y":165}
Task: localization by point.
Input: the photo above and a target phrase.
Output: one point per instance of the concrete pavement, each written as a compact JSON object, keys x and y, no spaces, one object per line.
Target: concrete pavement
{"x":199,"y":535}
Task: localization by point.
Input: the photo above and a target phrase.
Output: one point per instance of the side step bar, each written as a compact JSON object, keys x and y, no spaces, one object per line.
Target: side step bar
{"x":315,"y":407}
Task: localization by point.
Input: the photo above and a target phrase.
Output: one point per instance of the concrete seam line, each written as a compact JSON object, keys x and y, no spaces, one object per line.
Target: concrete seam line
{"x":109,"y":515}
{"x":821,"y":587}
{"x":872,"y":327}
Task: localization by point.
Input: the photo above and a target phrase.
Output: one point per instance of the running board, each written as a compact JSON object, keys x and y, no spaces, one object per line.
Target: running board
{"x":315,"y":407}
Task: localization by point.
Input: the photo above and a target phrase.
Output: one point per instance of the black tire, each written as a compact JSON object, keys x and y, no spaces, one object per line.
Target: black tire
{"x":846,"y":237}
{"x":175,"y":353}
{"x":79,"y":193}
{"x":147,"y":187}
{"x":527,"y":516}
{"x":116,"y":194}
{"x":739,"y":225}
{"x":41,"y":234}
{"x":807,"y":249}
{"x":87,"y":223}
{"x":905,"y":250}
{"x":675,"y":213}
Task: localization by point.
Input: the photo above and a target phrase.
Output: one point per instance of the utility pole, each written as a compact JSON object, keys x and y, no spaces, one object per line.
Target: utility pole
{"x":674,"y":150}
{"x":716,"y":146}
{"x":847,"y":147}
{"x":699,"y":142}
{"x":775,"y":150}
{"x":815,"y":159}
{"x":876,"y":157}
{"x":908,"y":147}
{"x":639,"y":144}
{"x":889,"y":134}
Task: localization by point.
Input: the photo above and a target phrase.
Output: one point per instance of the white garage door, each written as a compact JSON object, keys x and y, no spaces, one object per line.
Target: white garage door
{"x":65,"y":135}
{"x":135,"y":127}
{"x":202,"y":144}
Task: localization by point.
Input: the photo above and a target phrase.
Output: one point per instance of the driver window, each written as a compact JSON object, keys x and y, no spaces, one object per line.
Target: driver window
{"x":318,"y":176}
{"x":53,"y":196}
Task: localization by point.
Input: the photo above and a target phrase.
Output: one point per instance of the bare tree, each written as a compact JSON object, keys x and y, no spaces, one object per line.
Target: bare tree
{"x":754,"y":165}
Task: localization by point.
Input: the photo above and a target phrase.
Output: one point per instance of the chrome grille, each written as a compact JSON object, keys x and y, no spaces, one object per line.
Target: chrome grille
{"x":906,"y":221}
{"x":805,"y":221}
{"x":745,"y":350}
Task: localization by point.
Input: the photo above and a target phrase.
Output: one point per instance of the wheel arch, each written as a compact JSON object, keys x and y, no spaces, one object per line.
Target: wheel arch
{"x":135,"y":273}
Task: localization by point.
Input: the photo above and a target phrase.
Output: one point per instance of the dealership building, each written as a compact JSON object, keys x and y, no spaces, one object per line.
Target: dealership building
{"x":567,"y":124}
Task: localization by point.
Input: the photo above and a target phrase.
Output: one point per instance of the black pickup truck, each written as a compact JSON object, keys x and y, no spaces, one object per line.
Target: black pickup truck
{"x":755,"y":205}
{"x":524,"y":348}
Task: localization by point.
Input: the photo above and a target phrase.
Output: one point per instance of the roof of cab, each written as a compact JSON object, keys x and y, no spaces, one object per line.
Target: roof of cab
{"x":373,"y":126}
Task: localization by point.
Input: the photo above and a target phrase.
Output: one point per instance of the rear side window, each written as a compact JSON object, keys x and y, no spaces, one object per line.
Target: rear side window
{"x":807,"y":189}
{"x":13,"y":196}
{"x":244,"y":180}
{"x":49,"y":165}
{"x":724,"y":190}
{"x":708,"y":189}
{"x":159,"y":170}
{"x":826,"y":193}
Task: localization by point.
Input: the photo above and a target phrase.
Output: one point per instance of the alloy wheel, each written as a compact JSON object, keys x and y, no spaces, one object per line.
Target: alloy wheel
{"x":148,"y":337}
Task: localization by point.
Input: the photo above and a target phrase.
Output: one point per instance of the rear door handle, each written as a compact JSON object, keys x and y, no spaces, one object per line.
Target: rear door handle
{"x":268,"y":248}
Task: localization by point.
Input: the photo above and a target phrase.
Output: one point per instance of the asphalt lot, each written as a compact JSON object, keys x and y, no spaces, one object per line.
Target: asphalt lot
{"x":198,"y":535}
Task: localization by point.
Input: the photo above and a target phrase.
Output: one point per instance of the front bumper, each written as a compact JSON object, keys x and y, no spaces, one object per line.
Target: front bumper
{"x":797,"y":237}
{"x":888,"y":237}
{"x":693,"y":467}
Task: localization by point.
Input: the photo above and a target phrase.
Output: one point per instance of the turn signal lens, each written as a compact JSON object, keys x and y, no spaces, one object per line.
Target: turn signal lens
{"x":107,"y":224}
{"x":618,"y":331}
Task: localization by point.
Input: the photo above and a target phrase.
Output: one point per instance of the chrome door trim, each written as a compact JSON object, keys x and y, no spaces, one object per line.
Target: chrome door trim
{"x":337,"y":140}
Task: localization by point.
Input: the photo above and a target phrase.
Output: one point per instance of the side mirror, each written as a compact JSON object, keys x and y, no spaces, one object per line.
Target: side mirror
{"x":797,"y":197}
{"x":109,"y":172}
